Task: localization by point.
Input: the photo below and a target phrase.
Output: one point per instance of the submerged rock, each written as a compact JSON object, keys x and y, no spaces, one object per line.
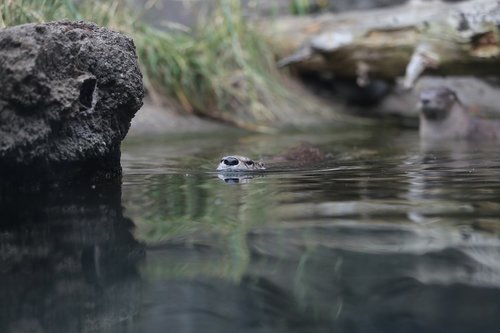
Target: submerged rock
{"x":69,"y":92}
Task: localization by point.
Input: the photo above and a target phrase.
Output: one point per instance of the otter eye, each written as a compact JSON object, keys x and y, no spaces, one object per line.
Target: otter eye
{"x":249,"y":163}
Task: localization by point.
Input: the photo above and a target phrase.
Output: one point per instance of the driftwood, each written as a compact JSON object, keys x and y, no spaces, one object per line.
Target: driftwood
{"x":441,"y":38}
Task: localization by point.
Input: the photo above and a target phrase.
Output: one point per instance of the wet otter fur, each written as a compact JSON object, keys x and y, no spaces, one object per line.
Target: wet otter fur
{"x":443,"y":116}
{"x":304,"y":153}
{"x":301,"y":155}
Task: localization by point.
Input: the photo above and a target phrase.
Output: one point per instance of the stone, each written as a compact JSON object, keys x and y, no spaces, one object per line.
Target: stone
{"x":69,"y":92}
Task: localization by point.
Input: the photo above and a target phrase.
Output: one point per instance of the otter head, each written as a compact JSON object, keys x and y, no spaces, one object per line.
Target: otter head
{"x":437,"y":103}
{"x":239,"y":163}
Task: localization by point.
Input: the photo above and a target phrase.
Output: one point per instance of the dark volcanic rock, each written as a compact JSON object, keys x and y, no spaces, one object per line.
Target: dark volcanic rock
{"x":68,"y":93}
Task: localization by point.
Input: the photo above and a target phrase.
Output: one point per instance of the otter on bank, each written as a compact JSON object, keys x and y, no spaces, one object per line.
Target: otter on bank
{"x":303,"y":154}
{"x":443,"y":116}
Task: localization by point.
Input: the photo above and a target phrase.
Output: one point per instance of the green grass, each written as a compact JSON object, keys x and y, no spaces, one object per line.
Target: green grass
{"x":304,"y":7}
{"x":224,"y":70}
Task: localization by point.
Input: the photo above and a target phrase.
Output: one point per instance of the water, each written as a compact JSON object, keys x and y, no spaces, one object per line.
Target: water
{"x":387,"y":235}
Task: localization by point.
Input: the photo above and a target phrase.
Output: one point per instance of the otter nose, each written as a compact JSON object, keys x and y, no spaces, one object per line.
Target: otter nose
{"x":425,"y":101}
{"x":230,"y":161}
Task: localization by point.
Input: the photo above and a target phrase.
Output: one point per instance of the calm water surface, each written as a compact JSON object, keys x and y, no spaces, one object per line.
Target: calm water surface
{"x":386,"y":235}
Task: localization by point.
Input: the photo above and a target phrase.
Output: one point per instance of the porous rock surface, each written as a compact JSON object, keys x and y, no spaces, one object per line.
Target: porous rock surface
{"x":68,"y":93}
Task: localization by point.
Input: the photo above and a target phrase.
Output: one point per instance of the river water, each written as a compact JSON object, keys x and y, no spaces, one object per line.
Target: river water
{"x":386,"y":235}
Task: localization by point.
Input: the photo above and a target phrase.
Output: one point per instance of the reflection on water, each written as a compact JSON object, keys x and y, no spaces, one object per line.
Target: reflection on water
{"x":68,"y":260}
{"x":387,"y":236}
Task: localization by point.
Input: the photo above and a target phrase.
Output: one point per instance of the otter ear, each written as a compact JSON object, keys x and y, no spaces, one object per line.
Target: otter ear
{"x":261,"y":165}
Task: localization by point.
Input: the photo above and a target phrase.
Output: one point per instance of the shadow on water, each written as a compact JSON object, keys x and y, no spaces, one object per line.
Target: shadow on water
{"x":388,"y":236}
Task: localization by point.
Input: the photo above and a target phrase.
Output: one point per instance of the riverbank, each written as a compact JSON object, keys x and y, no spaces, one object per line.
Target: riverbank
{"x":154,"y":119}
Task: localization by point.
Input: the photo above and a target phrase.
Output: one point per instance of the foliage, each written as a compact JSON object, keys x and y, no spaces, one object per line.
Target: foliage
{"x":303,"y":7}
{"x":223,"y":70}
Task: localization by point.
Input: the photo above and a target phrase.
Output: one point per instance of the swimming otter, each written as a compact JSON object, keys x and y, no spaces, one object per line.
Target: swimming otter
{"x":443,"y":116}
{"x":305,"y":153}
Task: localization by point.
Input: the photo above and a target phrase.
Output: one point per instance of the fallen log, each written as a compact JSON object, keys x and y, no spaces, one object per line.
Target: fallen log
{"x":439,"y":38}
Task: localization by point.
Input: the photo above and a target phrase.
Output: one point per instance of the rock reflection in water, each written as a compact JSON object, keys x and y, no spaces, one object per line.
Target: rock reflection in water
{"x":68,"y":260}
